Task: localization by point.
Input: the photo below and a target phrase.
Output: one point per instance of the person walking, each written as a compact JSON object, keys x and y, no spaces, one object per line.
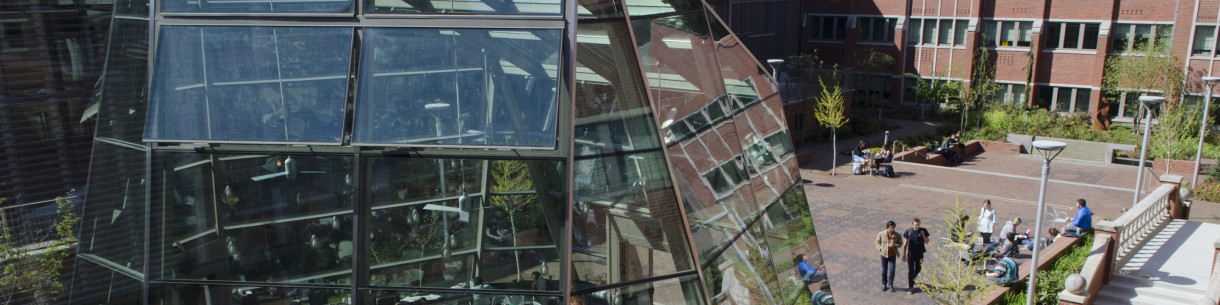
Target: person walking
{"x":916,"y":239}
{"x":986,"y":222}
{"x":888,"y":243}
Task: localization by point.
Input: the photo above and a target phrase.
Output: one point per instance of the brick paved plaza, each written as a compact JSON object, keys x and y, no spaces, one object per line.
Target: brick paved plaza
{"x":849,"y":210}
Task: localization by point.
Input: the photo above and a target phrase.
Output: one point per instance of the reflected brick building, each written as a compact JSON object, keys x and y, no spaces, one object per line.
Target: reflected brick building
{"x":448,"y":152}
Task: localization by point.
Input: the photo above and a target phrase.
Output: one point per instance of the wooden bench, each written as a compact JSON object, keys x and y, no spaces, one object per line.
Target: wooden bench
{"x":1046,"y":259}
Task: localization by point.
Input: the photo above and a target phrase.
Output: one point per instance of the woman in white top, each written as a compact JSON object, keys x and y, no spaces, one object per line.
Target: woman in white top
{"x":986,"y":221}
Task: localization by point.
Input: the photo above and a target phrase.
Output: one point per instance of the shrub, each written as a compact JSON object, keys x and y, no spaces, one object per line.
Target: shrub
{"x":1050,"y":282}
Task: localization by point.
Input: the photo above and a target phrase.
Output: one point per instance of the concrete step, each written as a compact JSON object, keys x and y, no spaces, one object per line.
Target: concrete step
{"x":1138,"y":282}
{"x":1110,"y":299}
{"x":1147,"y":296}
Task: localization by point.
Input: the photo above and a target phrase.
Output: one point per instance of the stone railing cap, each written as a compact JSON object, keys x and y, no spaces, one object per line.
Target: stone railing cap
{"x":1110,"y":226}
{"x":1171,"y":178}
{"x":1071,"y":297}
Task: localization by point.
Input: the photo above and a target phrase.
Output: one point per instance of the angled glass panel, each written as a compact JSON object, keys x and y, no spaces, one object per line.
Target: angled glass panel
{"x":465,"y":7}
{"x":259,"y":6}
{"x":255,"y":218}
{"x":250,"y":84}
{"x":652,"y":7}
{"x":599,"y":8}
{"x":626,"y":210}
{"x":791,"y":239}
{"x":188,"y":294}
{"x":453,"y":235}
{"x":742,"y":274}
{"x":94,"y":284}
{"x":682,"y":290}
{"x":112,"y":226}
{"x":125,"y":84}
{"x":416,"y":297}
{"x":458,"y":87}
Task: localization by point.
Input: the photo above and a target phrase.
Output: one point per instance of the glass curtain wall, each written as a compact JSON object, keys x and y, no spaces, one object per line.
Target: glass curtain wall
{"x":291,"y":154}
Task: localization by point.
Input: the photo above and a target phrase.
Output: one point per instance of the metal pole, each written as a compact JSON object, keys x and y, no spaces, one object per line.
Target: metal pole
{"x":1207,"y":103}
{"x":1139,"y":177}
{"x":1033,"y":271}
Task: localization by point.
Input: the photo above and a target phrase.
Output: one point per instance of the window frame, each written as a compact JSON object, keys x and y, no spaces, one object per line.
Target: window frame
{"x":888,"y":23}
{"x":1130,"y":31}
{"x":1080,"y":33}
{"x":1194,"y":41}
{"x":994,"y":31}
{"x":1074,"y":93}
{"x":816,"y":24}
{"x":931,"y":30}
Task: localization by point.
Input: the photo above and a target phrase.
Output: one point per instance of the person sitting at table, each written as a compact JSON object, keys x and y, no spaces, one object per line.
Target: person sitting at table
{"x":885,"y":161}
{"x":859,"y":158}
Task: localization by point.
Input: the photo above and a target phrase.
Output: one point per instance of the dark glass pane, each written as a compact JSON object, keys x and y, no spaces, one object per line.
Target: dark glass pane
{"x":1052,"y":34}
{"x":244,"y":84}
{"x":1131,"y":104}
{"x":718,"y":181}
{"x":599,"y":8}
{"x":1071,"y":35}
{"x":258,"y":6}
{"x":468,"y":87}
{"x":1122,"y":38}
{"x":866,"y":28}
{"x":734,"y":171}
{"x":781,"y":144}
{"x":684,"y":290}
{"x":266,"y":218}
{"x":1046,"y":95}
{"x":112,"y":225}
{"x":186,"y":294}
{"x":453,"y":7}
{"x":94,"y":284}
{"x":698,"y":121}
{"x":1082,"y":99}
{"x":125,"y":87}
{"x":1091,"y":32}
{"x":1164,"y":34}
{"x":133,"y":8}
{"x":380,"y":297}
{"x":1063,"y":100}
{"x":425,"y":233}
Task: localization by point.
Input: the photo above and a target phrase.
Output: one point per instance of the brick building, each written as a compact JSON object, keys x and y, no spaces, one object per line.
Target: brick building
{"x":1048,"y":54}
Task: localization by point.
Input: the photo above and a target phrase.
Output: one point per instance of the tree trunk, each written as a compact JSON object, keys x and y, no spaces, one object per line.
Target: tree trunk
{"x":834,"y":154}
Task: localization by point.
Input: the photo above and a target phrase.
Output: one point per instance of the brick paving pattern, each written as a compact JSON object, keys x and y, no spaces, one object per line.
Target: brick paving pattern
{"x":849,"y":210}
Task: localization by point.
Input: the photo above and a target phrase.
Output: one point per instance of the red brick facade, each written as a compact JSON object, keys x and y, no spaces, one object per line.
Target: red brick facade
{"x":1070,"y":67}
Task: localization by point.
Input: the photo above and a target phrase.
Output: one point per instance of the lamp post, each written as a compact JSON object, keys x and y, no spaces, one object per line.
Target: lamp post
{"x":772,"y":62}
{"x":1207,"y":103}
{"x":1148,"y":102}
{"x":1049,"y":150}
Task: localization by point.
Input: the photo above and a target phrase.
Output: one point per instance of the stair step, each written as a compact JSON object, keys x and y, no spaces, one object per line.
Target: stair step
{"x":1149,"y":295}
{"x":1110,"y":299}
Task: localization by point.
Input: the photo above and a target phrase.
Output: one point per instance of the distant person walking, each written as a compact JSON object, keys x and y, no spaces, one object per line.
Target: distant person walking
{"x":888,"y":243}
{"x":912,"y":253}
{"x":986,"y":221}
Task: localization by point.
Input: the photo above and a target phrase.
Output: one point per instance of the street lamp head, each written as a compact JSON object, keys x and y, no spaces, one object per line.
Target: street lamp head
{"x":1211,"y":78}
{"x":775,"y":61}
{"x":436,"y":106}
{"x":1049,"y":149}
{"x":1151,"y":101}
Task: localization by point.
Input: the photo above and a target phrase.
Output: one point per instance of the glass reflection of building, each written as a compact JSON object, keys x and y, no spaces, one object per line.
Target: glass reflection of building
{"x":439,"y":152}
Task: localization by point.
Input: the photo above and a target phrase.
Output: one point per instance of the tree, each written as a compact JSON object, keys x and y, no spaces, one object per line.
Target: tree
{"x":982,"y":86}
{"x":829,"y":110}
{"x":1175,"y":132}
{"x":947,"y":278}
{"x":1154,"y":70}
{"x":934,"y":89}
{"x":32,"y":274}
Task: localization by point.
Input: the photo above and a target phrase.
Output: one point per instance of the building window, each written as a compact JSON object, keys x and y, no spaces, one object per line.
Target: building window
{"x":1205,"y":40}
{"x":1008,"y":33}
{"x":938,"y":31}
{"x":1012,"y":93}
{"x":1140,"y":37}
{"x":877,"y":29}
{"x":873,"y":87}
{"x":1125,"y":104}
{"x":1064,"y":99}
{"x":1082,"y":36}
{"x":827,"y":27}
{"x":13,"y":39}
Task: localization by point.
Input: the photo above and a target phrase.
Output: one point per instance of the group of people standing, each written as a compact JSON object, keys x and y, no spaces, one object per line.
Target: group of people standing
{"x":911,"y":245}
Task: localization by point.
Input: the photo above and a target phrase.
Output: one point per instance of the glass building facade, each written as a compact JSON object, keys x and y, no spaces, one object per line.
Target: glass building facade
{"x":438,"y":152}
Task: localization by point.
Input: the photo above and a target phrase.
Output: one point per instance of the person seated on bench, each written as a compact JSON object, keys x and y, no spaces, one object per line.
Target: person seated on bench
{"x":885,"y":161}
{"x":1046,"y":241}
{"x":1010,"y":246}
{"x":1004,"y":273}
{"x":947,"y":149}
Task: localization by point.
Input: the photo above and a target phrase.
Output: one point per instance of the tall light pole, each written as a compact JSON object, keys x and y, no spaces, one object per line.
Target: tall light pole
{"x":1207,"y":103}
{"x":1049,"y":150}
{"x":1148,"y":102}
